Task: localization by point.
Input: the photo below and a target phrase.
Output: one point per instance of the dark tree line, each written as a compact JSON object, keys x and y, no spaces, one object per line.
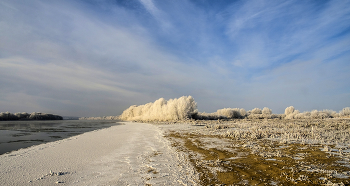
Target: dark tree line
{"x":7,"y":116}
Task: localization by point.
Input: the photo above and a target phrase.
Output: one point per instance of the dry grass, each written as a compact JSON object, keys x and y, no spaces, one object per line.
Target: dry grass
{"x":283,"y":154}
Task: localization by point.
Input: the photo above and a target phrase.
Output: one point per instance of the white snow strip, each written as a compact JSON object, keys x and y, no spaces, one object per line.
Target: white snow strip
{"x":128,"y":154}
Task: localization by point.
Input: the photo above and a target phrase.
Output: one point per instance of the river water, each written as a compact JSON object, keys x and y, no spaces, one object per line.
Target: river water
{"x":21,"y":134}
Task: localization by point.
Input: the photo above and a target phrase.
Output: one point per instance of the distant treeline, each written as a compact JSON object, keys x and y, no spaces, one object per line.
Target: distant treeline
{"x":100,"y":118}
{"x":6,"y":116}
{"x":185,"y":108}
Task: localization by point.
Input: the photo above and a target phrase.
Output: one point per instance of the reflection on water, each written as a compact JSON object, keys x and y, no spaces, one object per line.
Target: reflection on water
{"x":20,"y":134}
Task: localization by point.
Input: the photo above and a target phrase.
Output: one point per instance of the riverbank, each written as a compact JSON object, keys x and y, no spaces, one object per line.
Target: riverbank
{"x":131,"y":153}
{"x":193,"y":152}
{"x":15,"y":135}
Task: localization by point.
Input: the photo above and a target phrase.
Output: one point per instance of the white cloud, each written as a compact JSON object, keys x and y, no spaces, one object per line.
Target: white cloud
{"x":149,"y":5}
{"x":159,"y":15}
{"x":80,"y":56}
{"x":92,"y":62}
{"x":69,"y":76}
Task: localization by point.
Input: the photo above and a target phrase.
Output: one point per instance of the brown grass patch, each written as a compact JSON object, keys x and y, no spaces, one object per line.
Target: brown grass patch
{"x":270,"y":164}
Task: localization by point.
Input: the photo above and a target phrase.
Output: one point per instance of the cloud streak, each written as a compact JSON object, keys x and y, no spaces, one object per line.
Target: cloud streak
{"x":98,"y":58}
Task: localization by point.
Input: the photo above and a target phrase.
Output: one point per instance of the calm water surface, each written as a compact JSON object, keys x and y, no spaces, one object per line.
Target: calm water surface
{"x":21,"y":134}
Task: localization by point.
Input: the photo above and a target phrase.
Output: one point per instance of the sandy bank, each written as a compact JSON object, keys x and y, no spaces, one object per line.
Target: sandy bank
{"x":132,"y":153}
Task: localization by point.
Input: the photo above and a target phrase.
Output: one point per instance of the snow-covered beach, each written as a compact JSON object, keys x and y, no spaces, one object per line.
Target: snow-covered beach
{"x":131,"y":153}
{"x":191,"y":152}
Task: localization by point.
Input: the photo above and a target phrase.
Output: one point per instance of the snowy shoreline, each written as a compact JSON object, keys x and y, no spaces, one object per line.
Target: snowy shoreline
{"x":131,"y":153}
{"x":192,"y":152}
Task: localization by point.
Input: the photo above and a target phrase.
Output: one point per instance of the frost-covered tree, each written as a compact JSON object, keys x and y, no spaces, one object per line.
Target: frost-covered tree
{"x":291,"y":113}
{"x":161,"y":110}
{"x":256,"y":111}
{"x":32,"y":116}
{"x":242,"y":112}
{"x":266,"y":111}
{"x":345,"y":112}
{"x":289,"y":110}
{"x":7,"y":116}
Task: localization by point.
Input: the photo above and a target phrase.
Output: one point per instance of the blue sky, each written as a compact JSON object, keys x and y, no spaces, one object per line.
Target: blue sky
{"x":95,"y":58}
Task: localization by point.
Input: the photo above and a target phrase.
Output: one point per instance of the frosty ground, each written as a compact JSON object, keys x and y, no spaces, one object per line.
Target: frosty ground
{"x":191,"y":152}
{"x":266,"y":152}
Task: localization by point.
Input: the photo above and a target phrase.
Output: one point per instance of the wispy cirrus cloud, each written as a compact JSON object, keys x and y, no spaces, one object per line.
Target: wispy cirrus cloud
{"x":99,"y":57}
{"x":277,"y":32}
{"x":91,"y":58}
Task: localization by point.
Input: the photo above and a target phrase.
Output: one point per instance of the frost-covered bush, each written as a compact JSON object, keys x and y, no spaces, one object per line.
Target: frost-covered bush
{"x":332,"y":113}
{"x":226,"y":113}
{"x":289,"y":110}
{"x":345,"y":112}
{"x":242,"y":112}
{"x":255,"y":116}
{"x":161,"y":110}
{"x":291,"y":113}
{"x":229,"y":113}
{"x":304,"y":115}
{"x":208,"y":116}
{"x":256,"y":111}
{"x":315,"y":114}
{"x":266,"y":111}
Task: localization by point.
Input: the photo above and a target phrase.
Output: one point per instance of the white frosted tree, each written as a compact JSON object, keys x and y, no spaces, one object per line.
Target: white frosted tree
{"x":345,"y":111}
{"x":256,"y":111}
{"x":266,"y":111}
{"x":289,"y":110}
{"x":161,"y":110}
